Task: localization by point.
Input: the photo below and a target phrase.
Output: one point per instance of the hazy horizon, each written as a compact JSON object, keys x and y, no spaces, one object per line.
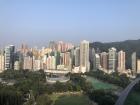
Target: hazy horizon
{"x":36,"y":22}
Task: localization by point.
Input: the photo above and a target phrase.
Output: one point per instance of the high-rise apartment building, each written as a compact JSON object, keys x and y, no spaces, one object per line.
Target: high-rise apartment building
{"x":121,"y":61}
{"x":97,"y":56}
{"x":51,"y":63}
{"x":1,"y":62}
{"x":138,"y":66}
{"x":134,"y":63}
{"x":60,"y":46}
{"x":84,"y":56}
{"x":37,"y":64}
{"x":112,"y":55}
{"x":94,"y":59}
{"x":17,"y":65}
{"x":77,"y":57}
{"x":28,"y":63}
{"x":67,"y":59}
{"x":104,"y":60}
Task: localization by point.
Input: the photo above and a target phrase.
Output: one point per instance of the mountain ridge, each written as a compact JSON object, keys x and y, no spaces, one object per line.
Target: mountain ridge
{"x":129,"y":46}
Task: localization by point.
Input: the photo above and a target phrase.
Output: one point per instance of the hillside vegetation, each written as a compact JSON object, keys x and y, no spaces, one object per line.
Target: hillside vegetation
{"x":129,"y":46}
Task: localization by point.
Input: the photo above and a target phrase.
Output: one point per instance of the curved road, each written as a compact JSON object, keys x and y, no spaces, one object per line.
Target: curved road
{"x":126,"y":91}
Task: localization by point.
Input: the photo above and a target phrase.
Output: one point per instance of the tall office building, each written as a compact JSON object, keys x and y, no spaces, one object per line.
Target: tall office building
{"x":77,"y":57}
{"x":9,"y":57}
{"x":104,"y":60}
{"x":121,"y":61}
{"x":84,"y":56}
{"x":134,"y":62}
{"x":112,"y":60}
{"x":12,"y":47}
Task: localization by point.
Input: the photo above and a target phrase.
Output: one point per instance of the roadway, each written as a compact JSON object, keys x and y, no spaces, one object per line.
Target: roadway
{"x":126,"y":91}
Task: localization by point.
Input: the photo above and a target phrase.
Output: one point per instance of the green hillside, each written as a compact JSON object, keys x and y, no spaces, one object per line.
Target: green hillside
{"x":129,"y":46}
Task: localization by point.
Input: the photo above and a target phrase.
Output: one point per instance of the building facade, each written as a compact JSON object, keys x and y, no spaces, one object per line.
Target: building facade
{"x":138,"y":66}
{"x":134,"y":62}
{"x":84,"y":56}
{"x":9,"y":57}
{"x":112,"y":55}
{"x":121,"y":61}
{"x":104,"y":60}
{"x":98,"y":65}
{"x":1,"y":62}
{"x":77,"y":57}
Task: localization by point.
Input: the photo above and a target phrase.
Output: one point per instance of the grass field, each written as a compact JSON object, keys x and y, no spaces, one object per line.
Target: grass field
{"x":71,"y":99}
{"x":97,"y":84}
{"x":133,"y":99}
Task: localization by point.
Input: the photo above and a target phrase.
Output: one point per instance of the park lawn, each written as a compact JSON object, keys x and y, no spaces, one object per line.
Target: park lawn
{"x":97,"y":84}
{"x":133,"y":98}
{"x":71,"y":99}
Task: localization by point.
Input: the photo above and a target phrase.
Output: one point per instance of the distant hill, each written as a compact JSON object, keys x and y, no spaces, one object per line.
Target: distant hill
{"x":129,"y":46}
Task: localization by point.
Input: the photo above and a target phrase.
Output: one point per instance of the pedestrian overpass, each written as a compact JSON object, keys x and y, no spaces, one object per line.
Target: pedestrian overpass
{"x":126,"y":91}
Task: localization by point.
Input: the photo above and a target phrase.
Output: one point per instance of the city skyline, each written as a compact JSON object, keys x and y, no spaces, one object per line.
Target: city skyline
{"x":63,"y":55}
{"x":69,"y":52}
{"x":36,"y":22}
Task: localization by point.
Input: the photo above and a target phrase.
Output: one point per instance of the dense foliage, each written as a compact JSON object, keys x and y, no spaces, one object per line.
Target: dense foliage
{"x":26,"y":84}
{"x":31,"y":88}
{"x":9,"y":96}
{"x":103,"y":97}
{"x":133,"y":97}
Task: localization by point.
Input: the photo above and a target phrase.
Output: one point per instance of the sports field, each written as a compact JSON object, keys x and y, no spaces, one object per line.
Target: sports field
{"x":97,"y":84}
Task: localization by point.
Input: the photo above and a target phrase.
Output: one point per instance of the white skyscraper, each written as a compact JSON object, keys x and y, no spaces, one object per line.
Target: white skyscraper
{"x":84,"y":56}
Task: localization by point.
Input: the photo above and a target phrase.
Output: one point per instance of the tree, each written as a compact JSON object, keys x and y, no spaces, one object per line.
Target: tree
{"x":103,"y":97}
{"x":43,"y":100}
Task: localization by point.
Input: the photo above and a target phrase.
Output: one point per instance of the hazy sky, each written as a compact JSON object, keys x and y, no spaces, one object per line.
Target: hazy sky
{"x":38,"y":21}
